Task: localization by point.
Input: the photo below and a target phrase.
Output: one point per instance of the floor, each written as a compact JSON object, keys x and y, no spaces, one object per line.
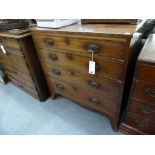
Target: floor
{"x":22,"y":114}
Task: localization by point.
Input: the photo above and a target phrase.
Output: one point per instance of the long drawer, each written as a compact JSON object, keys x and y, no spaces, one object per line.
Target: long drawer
{"x":98,"y":84}
{"x":142,"y":109}
{"x":145,"y":72}
{"x":110,"y":69}
{"x":109,"y":47}
{"x":24,"y":87}
{"x":88,"y":97}
{"x":144,"y":92}
{"x":140,"y":124}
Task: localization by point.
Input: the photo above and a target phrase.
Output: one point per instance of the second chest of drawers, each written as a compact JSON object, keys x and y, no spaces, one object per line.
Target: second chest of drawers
{"x":20,"y":61}
{"x":139,"y":117}
{"x":65,"y":55}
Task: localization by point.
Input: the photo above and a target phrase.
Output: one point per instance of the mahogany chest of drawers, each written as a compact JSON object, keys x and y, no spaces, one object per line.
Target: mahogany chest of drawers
{"x":65,"y":54}
{"x":20,"y":61}
{"x":140,"y":115}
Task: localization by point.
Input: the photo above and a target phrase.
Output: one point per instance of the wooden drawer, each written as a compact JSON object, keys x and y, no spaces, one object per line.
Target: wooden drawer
{"x":16,"y":68}
{"x":142,"y":125}
{"x":144,"y":92}
{"x":102,"y":47}
{"x":145,"y":72}
{"x":13,"y":58}
{"x":24,"y":87}
{"x":10,"y":43}
{"x":110,"y":69}
{"x":22,"y":78}
{"x":85,"y":96}
{"x":98,"y":84}
{"x":142,"y":109}
{"x":14,"y":62}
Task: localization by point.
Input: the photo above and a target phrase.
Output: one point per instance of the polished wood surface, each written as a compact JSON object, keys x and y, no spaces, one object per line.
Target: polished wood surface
{"x":65,"y":53}
{"x":144,"y":91}
{"x":15,"y":33}
{"x":102,"y":66}
{"x":100,"y":30}
{"x":139,"y":116}
{"x":87,"y":97}
{"x":145,"y":72}
{"x":139,"y":124}
{"x":143,"y":109}
{"x":110,"y":21}
{"x":97,"y":84}
{"x":21,"y":63}
{"x":110,"y":48}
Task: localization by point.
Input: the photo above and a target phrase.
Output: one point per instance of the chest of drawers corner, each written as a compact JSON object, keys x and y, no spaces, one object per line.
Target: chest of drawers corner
{"x":19,"y":59}
{"x":139,"y":117}
{"x":64,"y":56}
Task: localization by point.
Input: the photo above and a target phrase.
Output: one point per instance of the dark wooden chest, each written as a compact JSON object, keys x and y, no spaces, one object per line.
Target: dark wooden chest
{"x":65,"y":53}
{"x":140,"y":115}
{"x":20,"y":61}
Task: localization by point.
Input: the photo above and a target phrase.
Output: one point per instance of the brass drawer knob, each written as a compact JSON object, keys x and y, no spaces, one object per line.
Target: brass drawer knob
{"x":49,"y":42}
{"x":93,"y":84}
{"x":59,"y":86}
{"x":151,"y":91}
{"x":53,"y":57}
{"x":93,"y":48}
{"x":56,"y":72}
{"x":94,"y":100}
{"x":147,"y":109}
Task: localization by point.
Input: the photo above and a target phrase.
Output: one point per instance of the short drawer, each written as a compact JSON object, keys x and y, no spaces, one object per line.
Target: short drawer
{"x":98,"y":84}
{"x":145,"y":72}
{"x":140,"y":124}
{"x":105,"y":68}
{"x":113,"y":48}
{"x":10,"y":43}
{"x":142,"y":109}
{"x":144,"y":92}
{"x":22,"y":86}
{"x":90,"y":98}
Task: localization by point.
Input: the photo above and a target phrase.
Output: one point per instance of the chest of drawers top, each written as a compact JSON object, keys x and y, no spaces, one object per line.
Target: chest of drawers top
{"x":15,"y":33}
{"x":109,"y":30}
{"x":10,"y":39}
